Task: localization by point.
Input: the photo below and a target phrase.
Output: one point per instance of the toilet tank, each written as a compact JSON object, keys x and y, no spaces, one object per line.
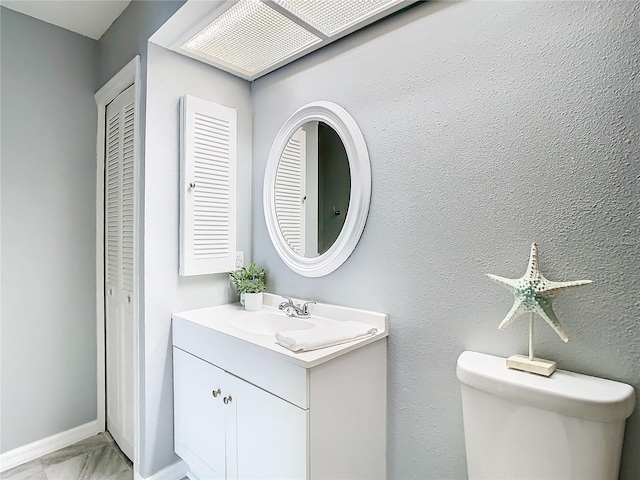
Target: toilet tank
{"x":519,"y":425}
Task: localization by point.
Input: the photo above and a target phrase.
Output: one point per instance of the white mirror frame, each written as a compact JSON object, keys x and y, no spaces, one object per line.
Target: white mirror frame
{"x":339,"y":119}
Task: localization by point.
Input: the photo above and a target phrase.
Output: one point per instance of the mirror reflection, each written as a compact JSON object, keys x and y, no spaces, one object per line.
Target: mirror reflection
{"x":312,"y":189}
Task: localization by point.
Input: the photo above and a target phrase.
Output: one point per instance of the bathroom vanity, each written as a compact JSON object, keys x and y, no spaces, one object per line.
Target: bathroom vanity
{"x":246,"y":407}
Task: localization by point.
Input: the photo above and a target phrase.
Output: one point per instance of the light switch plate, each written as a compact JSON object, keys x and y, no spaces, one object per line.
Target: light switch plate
{"x":239,"y":259}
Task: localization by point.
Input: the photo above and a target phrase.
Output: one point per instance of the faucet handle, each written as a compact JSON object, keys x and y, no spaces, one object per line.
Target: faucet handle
{"x":305,"y":307}
{"x":284,"y":304}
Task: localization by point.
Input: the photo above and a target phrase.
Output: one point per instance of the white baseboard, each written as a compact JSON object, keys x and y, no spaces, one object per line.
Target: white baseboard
{"x":175,"y":471}
{"x":37,"y":449}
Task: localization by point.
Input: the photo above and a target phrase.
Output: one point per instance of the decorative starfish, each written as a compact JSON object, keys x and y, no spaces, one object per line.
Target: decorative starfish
{"x":534,"y":293}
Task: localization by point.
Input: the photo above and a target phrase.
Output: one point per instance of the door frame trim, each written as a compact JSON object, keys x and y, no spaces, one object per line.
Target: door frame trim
{"x":127,"y":76}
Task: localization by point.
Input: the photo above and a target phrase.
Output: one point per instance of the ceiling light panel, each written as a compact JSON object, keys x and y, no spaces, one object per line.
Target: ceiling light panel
{"x":251,"y":37}
{"x":333,"y":16}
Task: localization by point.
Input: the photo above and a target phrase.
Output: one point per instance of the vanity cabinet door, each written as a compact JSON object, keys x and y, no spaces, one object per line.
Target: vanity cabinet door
{"x":271,"y":434}
{"x":200,"y":418}
{"x":227,"y":428}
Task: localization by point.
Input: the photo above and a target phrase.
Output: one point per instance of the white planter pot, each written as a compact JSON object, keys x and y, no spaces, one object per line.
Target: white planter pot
{"x":252,"y":301}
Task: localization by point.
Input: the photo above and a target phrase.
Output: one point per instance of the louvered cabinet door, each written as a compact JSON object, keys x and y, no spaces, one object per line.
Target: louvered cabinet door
{"x":208,"y":187}
{"x":290,"y":191}
{"x":119,"y":267}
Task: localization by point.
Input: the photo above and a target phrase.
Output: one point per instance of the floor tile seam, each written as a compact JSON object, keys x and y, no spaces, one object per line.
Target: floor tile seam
{"x":45,"y":459}
{"x":126,"y":460}
{"x":55,"y":467}
{"x":88,"y":466}
{"x":87,"y":450}
{"x":111,"y":460}
{"x":27,"y":466}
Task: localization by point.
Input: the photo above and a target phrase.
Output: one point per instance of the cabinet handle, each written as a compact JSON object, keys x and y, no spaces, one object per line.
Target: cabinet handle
{"x":215,"y":393}
{"x":227,"y":400}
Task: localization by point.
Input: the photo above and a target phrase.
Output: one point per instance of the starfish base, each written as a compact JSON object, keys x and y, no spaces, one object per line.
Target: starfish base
{"x":538,"y":366}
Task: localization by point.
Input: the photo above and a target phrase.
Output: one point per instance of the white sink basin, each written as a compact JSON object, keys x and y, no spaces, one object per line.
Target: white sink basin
{"x":217,"y":334}
{"x":265,"y":323}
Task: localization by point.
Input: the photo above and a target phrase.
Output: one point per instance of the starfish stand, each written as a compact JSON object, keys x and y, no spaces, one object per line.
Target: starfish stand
{"x":533,"y":293}
{"x":530,"y":363}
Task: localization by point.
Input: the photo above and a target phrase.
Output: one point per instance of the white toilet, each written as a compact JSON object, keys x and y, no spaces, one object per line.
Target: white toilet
{"x":520,"y":425}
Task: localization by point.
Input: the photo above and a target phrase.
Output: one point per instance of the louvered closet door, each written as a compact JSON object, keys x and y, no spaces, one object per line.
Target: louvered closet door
{"x":119,"y":268}
{"x":208,"y":187}
{"x":290,"y":191}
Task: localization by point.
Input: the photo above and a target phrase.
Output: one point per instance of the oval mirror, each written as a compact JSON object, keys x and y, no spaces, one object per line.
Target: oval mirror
{"x":317,"y":189}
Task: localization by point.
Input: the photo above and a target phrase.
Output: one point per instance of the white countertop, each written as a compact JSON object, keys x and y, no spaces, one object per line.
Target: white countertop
{"x":217,"y":319}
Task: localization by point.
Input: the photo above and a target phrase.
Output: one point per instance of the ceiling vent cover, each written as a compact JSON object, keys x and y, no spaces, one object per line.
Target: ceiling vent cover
{"x":253,"y":37}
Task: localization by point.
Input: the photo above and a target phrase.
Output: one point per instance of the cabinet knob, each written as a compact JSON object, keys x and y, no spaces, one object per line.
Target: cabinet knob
{"x":129,"y":298}
{"x":192,"y":185}
{"x":227,"y":400}
{"x":215,"y":393}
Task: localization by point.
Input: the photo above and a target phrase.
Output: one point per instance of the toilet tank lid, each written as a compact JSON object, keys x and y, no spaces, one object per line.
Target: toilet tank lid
{"x":568,"y":393}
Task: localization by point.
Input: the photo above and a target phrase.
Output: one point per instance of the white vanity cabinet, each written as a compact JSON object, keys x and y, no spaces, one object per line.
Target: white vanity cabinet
{"x":227,"y":428}
{"x":246,"y":408}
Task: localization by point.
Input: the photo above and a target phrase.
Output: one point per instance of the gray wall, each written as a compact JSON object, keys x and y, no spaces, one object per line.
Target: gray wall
{"x":49,"y":77}
{"x":169,"y":77}
{"x":489,"y":126}
{"x":48,"y":348}
{"x":128,"y":35}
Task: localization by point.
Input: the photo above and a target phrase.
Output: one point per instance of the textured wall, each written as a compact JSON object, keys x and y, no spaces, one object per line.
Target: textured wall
{"x":48,"y":230}
{"x":489,"y":126}
{"x":169,"y":77}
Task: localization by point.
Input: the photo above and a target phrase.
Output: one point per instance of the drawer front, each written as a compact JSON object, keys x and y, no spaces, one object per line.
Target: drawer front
{"x":259,"y":366}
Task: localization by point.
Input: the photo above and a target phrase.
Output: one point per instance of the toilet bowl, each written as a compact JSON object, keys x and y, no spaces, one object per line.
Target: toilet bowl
{"x":519,"y":425}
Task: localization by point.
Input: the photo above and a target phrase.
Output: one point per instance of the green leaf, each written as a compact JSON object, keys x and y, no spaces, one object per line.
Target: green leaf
{"x":249,"y":279}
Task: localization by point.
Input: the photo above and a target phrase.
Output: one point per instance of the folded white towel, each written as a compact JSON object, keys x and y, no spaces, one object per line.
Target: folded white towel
{"x":324,"y":336}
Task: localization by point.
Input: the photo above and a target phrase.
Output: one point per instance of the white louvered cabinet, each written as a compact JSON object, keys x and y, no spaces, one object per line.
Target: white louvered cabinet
{"x":119,"y":273}
{"x":208,"y":156}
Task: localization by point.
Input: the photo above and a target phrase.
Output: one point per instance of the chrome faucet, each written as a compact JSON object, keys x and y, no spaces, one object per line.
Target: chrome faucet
{"x":293,"y":310}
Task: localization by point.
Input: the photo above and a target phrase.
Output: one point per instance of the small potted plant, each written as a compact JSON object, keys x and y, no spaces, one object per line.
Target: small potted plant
{"x":250,"y":282}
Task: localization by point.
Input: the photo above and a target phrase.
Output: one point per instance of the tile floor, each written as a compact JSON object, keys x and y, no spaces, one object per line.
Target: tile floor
{"x":96,"y":458}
